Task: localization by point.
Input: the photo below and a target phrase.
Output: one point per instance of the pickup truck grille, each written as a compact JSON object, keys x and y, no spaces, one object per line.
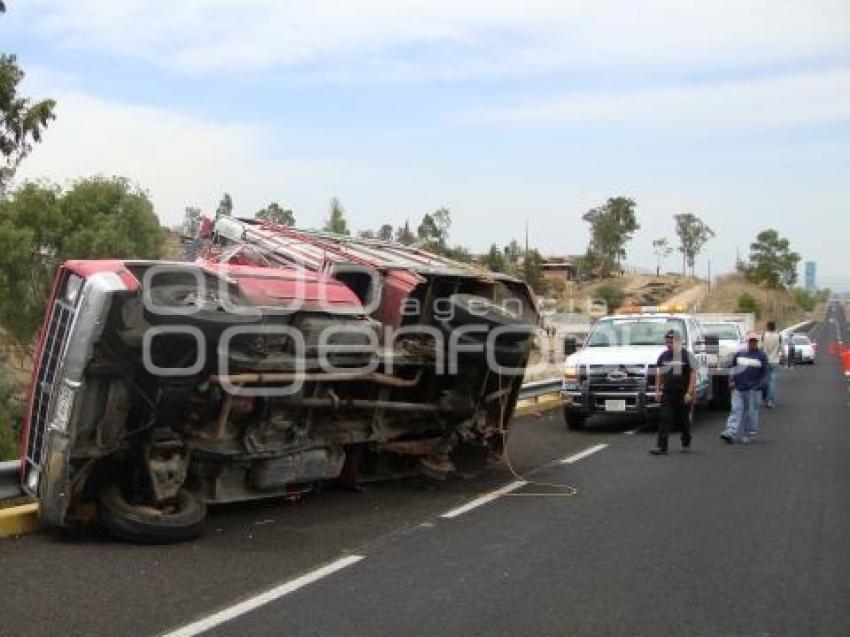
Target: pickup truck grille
{"x":613,"y":378}
{"x":55,"y":345}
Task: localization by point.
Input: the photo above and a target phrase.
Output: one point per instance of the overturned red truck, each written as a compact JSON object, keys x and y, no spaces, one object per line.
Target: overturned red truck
{"x":279,"y":360}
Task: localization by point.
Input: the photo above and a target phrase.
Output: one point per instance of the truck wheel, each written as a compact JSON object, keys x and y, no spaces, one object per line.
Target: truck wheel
{"x":207,"y":315}
{"x":146,"y":524}
{"x":574,"y":421}
{"x":470,"y":309}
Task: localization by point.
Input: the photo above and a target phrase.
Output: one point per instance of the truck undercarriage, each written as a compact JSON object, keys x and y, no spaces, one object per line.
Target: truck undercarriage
{"x":158,"y":394}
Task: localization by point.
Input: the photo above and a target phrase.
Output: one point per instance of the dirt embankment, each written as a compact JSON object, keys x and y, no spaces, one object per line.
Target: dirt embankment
{"x":641,"y":289}
{"x":778,"y":305}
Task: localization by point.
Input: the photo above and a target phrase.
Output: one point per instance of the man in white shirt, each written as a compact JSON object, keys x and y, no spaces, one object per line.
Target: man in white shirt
{"x":771,"y":345}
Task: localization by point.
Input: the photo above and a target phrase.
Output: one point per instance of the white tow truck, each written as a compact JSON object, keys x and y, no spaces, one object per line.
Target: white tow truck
{"x":614,"y":371}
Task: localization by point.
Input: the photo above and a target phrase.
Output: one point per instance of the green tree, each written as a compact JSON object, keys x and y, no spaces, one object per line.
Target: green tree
{"x":495,"y":259}
{"x":336,"y":221}
{"x":22,"y":120}
{"x":513,"y":251}
{"x":805,"y":299}
{"x":532,"y":271}
{"x":40,"y":227}
{"x":225,"y":206}
{"x":385,"y":232}
{"x":273,"y":212}
{"x":404,"y":235}
{"x":427,"y":230}
{"x":611,"y":295}
{"x":693,"y":235}
{"x":661,"y":248}
{"x":747,"y":303}
{"x":772,"y":261}
{"x":443,"y":221}
{"x":611,"y":228}
{"x":434,"y":229}
{"x":458,"y":253}
{"x":11,"y":409}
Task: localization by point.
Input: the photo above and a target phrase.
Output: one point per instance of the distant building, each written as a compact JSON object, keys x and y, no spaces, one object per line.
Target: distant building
{"x":559,"y":268}
{"x":810,"y":276}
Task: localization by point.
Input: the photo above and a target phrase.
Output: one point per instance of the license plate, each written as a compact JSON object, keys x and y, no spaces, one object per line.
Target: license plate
{"x":615,"y":405}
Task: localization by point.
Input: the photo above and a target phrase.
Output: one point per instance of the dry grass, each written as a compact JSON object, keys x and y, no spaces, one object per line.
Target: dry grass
{"x":776,"y":305}
{"x":640,"y":289}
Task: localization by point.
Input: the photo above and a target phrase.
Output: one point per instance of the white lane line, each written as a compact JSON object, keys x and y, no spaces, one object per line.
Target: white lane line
{"x":630,"y":432}
{"x":583,"y":454}
{"x":484,"y":499}
{"x":216,"y":619}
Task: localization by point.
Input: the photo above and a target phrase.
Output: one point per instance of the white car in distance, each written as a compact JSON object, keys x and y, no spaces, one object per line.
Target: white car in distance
{"x":804,"y":349}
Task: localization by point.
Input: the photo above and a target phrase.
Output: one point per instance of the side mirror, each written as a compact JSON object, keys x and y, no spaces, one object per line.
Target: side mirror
{"x":570,"y":345}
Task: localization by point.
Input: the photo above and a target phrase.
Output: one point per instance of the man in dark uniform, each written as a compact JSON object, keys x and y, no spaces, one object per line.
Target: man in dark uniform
{"x":675,"y":382}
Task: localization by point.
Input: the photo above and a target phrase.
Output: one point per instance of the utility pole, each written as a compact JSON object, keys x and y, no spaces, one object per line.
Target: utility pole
{"x":709,"y":273}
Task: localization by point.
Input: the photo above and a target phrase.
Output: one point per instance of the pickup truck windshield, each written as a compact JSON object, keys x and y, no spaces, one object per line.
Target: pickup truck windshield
{"x":722,"y":331}
{"x":634,"y":331}
{"x":801,"y":340}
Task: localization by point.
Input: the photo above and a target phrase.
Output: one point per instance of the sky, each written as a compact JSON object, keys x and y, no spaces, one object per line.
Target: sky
{"x":505,"y":112}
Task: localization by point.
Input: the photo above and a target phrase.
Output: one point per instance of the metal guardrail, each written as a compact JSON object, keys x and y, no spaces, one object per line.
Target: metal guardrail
{"x":539,"y":387}
{"x":10,"y":486}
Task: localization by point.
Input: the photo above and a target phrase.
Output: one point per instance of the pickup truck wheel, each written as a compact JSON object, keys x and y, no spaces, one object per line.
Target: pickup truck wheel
{"x":574,"y":421}
{"x":146,"y":524}
{"x":207,"y":315}
{"x":470,"y":309}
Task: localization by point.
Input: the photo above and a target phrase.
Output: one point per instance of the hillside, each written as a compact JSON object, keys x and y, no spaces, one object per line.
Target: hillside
{"x":776,"y":305}
{"x":643,"y":289}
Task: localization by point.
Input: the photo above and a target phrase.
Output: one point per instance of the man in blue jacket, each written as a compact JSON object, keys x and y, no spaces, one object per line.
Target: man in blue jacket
{"x":750,"y":369}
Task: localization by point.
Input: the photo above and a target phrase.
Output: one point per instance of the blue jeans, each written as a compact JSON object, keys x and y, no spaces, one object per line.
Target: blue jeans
{"x":745,"y":411}
{"x":770,"y":384}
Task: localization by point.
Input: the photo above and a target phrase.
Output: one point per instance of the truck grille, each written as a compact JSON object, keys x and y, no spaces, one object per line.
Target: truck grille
{"x":55,"y":345}
{"x":613,"y":378}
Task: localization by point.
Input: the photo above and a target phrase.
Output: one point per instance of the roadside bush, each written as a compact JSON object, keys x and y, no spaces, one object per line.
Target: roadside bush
{"x":612,"y":295}
{"x":8,"y":438}
{"x":805,"y":299}
{"x":9,"y":418}
{"x":41,"y":225}
{"x":748,"y":303}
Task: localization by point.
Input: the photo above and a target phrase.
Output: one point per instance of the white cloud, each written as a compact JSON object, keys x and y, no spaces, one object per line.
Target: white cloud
{"x":809,"y":98}
{"x":180,"y":159}
{"x":422,"y":39}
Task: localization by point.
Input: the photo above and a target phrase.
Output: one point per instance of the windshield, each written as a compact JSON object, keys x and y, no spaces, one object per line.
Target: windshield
{"x":723,"y":331}
{"x":634,"y":331}
{"x":801,"y":340}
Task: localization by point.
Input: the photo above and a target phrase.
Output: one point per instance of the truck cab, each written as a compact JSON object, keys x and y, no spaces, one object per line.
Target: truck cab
{"x":614,"y":371}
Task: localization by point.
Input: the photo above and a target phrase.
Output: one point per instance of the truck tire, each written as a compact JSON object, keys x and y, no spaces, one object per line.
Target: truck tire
{"x":149,"y":525}
{"x":208,"y":319}
{"x":574,"y":420}
{"x":470,"y":309}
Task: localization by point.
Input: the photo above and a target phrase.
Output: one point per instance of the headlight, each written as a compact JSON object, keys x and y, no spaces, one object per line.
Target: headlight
{"x":571,"y":373}
{"x":62,"y":408}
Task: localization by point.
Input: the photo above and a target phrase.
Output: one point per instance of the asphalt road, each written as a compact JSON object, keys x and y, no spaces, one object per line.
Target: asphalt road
{"x":727,"y":540}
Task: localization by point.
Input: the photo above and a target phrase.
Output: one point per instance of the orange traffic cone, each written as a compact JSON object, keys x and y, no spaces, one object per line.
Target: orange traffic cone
{"x":845,"y":358}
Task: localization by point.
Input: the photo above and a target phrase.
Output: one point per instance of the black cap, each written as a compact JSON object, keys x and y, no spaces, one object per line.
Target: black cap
{"x":674,"y":334}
